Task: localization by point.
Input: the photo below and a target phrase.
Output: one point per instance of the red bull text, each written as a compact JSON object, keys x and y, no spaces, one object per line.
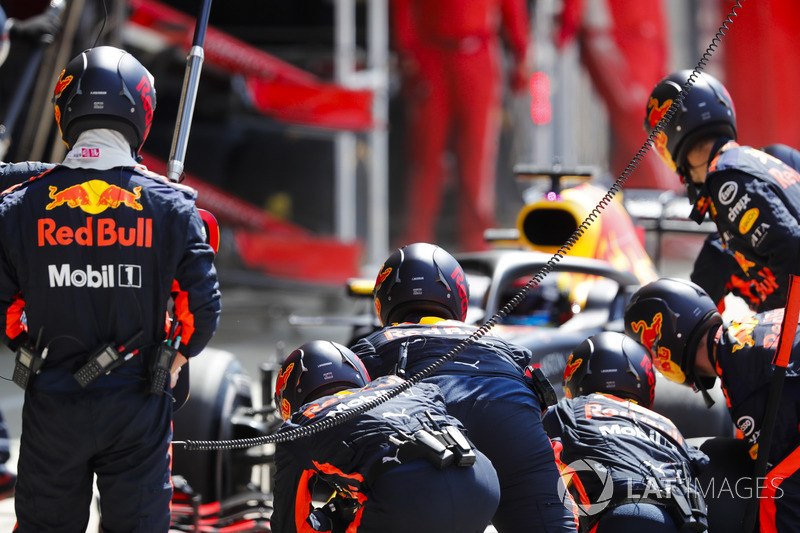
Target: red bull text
{"x":96,"y":232}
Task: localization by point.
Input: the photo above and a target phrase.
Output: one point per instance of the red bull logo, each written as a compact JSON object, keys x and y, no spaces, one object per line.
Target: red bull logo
{"x":280,"y":385}
{"x":145,"y":89}
{"x":463,"y":294}
{"x":570,"y":369}
{"x":383,"y":275}
{"x":62,"y":84}
{"x":743,"y":262}
{"x":94,"y":197}
{"x":649,"y":337}
{"x":95,"y":232}
{"x":74,"y":196}
{"x":743,"y":333}
{"x":702,"y":205}
{"x":647,"y":366}
{"x":655,"y":113}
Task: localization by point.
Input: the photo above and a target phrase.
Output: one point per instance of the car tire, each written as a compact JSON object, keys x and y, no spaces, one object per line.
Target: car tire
{"x":219,"y":386}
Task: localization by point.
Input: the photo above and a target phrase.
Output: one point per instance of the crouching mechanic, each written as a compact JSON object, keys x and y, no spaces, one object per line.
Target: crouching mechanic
{"x":421,"y":296}
{"x":402,"y":466}
{"x":628,"y":468}
{"x":679,"y":324}
{"x":93,"y":253}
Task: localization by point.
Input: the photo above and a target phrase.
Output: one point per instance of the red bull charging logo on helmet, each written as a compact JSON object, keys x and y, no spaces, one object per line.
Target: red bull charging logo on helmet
{"x":382,"y":275}
{"x":649,"y":337}
{"x":62,"y":83}
{"x":655,"y":113}
{"x":569,"y":371}
{"x":280,"y":386}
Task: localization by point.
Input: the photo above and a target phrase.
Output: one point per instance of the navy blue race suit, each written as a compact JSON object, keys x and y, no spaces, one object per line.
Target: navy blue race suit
{"x":754,"y":200}
{"x":633,"y":457}
{"x":356,"y":459}
{"x":744,"y":353}
{"x":11,"y":174}
{"x":484,"y":387}
{"x":89,"y":258}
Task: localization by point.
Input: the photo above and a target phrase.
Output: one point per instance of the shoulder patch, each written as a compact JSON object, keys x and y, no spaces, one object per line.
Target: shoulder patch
{"x":728,"y":192}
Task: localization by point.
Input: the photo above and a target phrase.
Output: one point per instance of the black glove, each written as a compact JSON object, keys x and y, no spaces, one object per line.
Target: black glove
{"x":41,"y":28}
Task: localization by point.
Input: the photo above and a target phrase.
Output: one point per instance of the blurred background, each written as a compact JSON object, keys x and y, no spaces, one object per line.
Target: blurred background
{"x":298,"y":141}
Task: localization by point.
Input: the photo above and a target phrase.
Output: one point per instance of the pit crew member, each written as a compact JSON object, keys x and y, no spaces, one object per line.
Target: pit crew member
{"x":397,"y":467}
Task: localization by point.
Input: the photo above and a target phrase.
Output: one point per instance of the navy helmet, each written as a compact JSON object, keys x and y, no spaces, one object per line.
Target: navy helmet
{"x":611,"y":363}
{"x":105,"y":87}
{"x":313,"y":370}
{"x":706,"y":110}
{"x":420,"y":280}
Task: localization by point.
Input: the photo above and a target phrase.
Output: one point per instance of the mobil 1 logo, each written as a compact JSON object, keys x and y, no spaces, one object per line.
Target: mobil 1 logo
{"x":104,"y":276}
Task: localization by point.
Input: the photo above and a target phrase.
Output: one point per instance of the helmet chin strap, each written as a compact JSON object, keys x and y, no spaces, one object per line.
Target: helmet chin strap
{"x":710,"y":333}
{"x":697,"y":384}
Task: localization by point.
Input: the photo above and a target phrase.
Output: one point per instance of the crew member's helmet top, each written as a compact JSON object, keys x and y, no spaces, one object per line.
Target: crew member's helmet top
{"x":316,"y":369}
{"x":105,"y":87}
{"x":420,"y":280}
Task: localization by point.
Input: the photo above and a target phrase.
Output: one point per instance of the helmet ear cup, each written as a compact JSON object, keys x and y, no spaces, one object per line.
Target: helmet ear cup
{"x":105,"y":87}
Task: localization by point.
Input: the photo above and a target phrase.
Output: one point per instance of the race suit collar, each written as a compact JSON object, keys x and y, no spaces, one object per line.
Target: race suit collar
{"x":100,"y":149}
{"x":700,"y":197}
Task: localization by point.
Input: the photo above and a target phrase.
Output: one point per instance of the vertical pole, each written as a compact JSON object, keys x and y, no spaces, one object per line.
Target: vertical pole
{"x":345,"y":208}
{"x":378,"y":194}
{"x":191,"y":82}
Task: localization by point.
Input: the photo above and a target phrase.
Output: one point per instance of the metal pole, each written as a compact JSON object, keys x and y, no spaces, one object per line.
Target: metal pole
{"x":345,"y":211}
{"x":191,"y":81}
{"x":378,"y":188}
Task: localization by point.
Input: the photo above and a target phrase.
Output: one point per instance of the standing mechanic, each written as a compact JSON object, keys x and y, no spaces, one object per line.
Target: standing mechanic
{"x":451,"y":59}
{"x":753,"y":198}
{"x":679,"y":324}
{"x":91,"y":252}
{"x":624,"y":47}
{"x":402,"y":466}
{"x":633,"y":470}
{"x":421,"y":296}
